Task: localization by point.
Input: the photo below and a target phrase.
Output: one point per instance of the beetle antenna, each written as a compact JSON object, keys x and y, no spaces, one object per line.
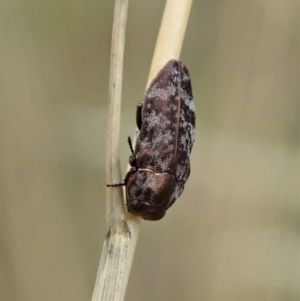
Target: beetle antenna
{"x":115,"y":185}
{"x":130,"y":144}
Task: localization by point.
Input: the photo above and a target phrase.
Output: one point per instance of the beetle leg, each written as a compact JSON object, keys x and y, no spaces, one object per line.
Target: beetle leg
{"x":139,"y":115}
{"x":132,"y":158}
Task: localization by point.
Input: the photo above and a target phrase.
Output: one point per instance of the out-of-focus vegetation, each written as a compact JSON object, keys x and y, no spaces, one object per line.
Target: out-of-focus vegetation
{"x":233,"y":234}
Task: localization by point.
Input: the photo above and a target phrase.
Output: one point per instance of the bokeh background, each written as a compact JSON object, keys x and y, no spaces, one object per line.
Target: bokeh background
{"x":233,"y":234}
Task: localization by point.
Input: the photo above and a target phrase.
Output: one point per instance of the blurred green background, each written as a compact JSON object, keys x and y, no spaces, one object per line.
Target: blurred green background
{"x":233,"y":234}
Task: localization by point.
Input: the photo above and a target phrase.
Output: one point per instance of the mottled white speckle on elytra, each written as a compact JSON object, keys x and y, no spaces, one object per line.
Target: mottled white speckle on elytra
{"x":174,"y":107}
{"x":193,"y":133}
{"x":163,"y":164}
{"x":167,"y":137}
{"x":185,"y":77}
{"x":145,"y":144}
{"x":157,"y":140}
{"x":180,"y":171}
{"x":174,"y":72}
{"x":182,"y":139}
{"x":156,"y":153}
{"x":152,"y":119}
{"x":161,"y":93}
{"x":192,"y":105}
{"x":178,"y":190}
{"x":184,"y":96}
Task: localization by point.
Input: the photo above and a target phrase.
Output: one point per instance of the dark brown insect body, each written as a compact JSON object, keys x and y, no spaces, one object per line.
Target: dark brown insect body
{"x":161,"y":159}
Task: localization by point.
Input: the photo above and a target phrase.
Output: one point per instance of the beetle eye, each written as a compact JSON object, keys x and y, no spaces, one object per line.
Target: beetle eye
{"x":135,"y":206}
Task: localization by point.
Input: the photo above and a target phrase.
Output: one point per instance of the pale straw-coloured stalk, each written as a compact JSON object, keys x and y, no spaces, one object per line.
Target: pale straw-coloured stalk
{"x":123,"y":228}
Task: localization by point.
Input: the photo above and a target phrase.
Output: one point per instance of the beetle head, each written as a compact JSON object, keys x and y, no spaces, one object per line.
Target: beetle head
{"x":149,"y":194}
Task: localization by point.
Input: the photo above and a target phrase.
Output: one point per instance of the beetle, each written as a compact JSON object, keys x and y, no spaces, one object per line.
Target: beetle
{"x":160,"y":163}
